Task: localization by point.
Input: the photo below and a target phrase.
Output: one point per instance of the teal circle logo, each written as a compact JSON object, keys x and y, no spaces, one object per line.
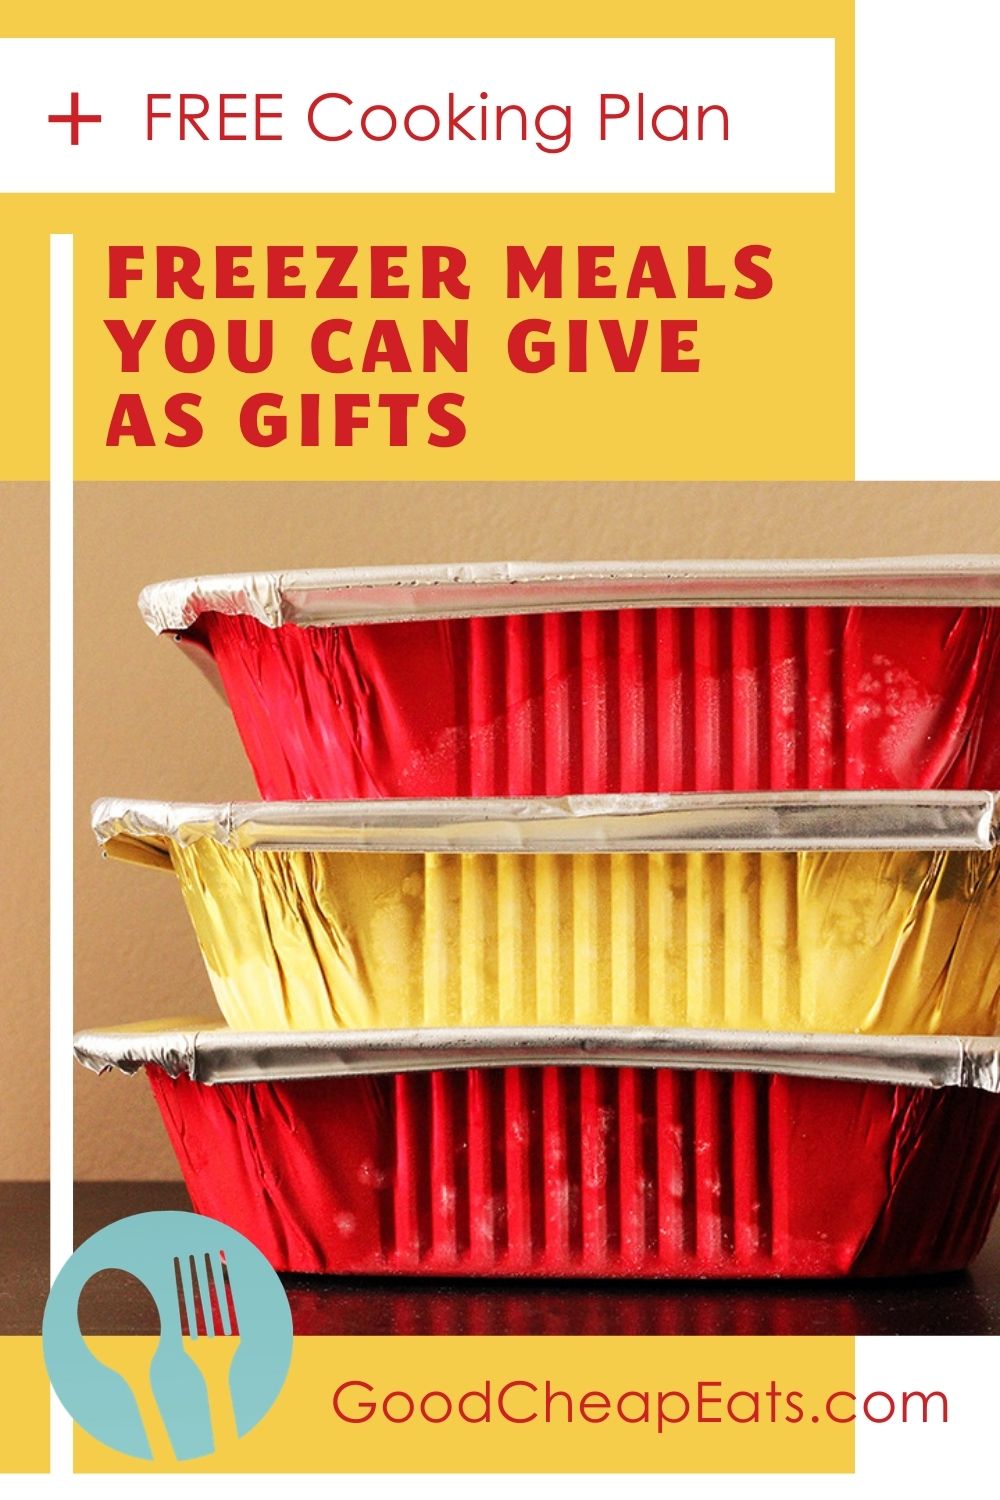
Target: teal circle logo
{"x":208,"y":1283}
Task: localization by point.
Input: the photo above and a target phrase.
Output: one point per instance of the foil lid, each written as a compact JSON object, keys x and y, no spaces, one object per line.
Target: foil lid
{"x":638,"y":823}
{"x":210,"y":1053}
{"x":344,"y":596}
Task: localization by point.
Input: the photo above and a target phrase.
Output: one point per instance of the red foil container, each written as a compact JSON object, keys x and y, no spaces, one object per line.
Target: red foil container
{"x":444,"y":683}
{"x":565,"y":1170}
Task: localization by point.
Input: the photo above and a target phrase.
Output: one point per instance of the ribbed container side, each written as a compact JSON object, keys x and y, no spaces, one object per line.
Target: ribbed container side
{"x":891,"y":943}
{"x":592,"y":1172}
{"x":668,"y":700}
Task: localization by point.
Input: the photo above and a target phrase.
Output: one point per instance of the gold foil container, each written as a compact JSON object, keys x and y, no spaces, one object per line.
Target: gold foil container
{"x":636,"y":911}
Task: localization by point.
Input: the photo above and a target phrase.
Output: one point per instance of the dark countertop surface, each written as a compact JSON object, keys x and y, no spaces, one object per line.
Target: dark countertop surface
{"x":956,"y":1304}
{"x":24,"y":1256}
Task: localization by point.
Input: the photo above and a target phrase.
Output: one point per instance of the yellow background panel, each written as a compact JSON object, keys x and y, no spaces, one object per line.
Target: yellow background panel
{"x":24,"y":1427}
{"x":443,"y":18}
{"x":773,"y":398}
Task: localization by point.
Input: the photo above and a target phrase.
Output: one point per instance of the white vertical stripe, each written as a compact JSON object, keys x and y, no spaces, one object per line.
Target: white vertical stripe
{"x":61,"y":784}
{"x":928,"y":294}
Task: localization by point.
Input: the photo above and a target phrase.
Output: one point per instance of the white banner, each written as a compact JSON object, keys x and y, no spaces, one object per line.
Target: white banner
{"x":418,"y":115}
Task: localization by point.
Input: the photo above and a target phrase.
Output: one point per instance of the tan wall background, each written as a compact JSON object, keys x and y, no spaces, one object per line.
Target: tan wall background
{"x":149,"y":726}
{"x":24,"y":947}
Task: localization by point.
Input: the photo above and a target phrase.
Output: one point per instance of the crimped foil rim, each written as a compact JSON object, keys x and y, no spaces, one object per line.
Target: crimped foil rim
{"x":342,"y":596}
{"x":641,"y":823}
{"x":210,"y":1052}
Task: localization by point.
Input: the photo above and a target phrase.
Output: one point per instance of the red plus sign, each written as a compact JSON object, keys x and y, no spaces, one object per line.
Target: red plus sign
{"x":74,"y":119}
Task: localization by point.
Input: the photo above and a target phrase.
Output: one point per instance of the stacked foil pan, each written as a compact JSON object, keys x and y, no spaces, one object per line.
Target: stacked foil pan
{"x":606,"y":920}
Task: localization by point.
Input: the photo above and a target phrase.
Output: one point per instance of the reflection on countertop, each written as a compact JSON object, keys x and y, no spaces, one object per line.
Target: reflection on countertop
{"x":966,"y":1303}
